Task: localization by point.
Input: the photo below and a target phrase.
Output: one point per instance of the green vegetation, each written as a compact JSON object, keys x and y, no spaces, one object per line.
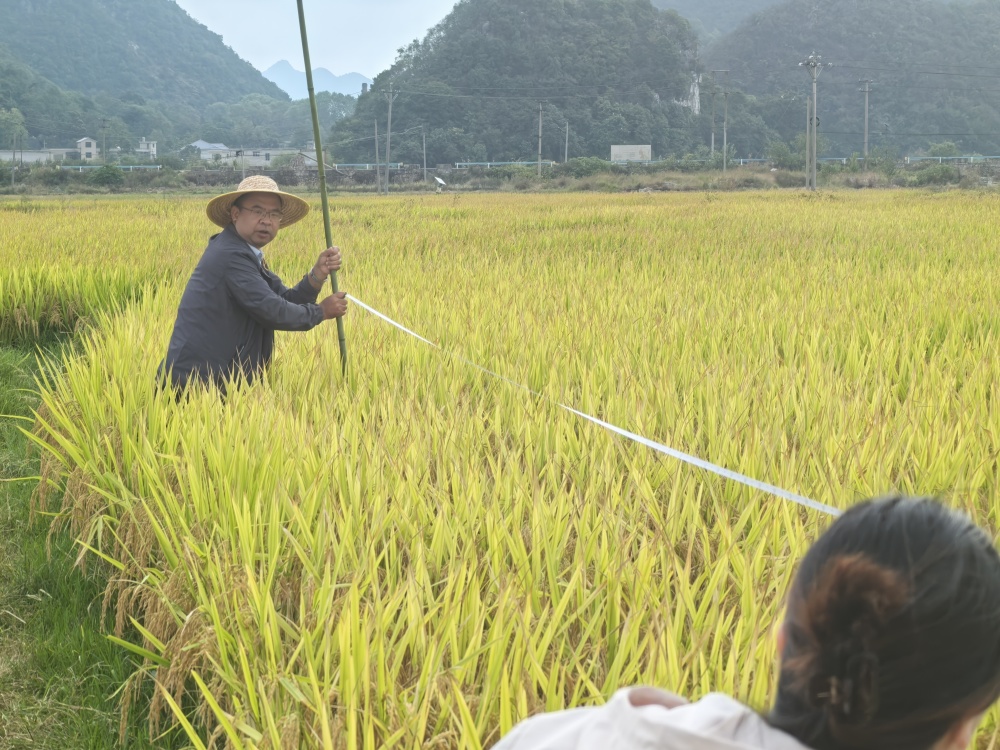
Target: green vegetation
{"x":132,"y":50}
{"x":58,"y":672}
{"x":712,"y":18}
{"x":416,"y":553}
{"x":613,"y":70}
{"x":38,"y":113}
{"x":108,"y":176}
{"x":263,"y":121}
{"x":924,"y":90}
{"x":133,"y":70}
{"x":44,"y":111}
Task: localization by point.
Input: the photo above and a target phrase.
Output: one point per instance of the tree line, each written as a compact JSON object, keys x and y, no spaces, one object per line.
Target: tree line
{"x":595,"y":72}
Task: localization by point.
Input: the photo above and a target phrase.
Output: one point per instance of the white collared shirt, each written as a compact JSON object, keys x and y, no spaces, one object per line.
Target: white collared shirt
{"x":258,"y":252}
{"x":716,"y":722}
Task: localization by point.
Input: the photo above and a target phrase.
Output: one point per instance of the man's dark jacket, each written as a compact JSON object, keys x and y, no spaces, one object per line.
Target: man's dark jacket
{"x":229,"y":312}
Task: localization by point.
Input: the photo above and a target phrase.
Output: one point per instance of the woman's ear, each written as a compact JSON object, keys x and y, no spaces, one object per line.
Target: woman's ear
{"x":779,"y":639}
{"x":959,"y":737}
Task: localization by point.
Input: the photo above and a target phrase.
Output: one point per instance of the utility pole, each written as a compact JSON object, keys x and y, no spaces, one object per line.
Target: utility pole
{"x":867,"y":82}
{"x":539,"y":139}
{"x":378,"y":166}
{"x":566,"y":151}
{"x":390,"y":97}
{"x":423,"y":135}
{"x":104,"y":147}
{"x":712,"y":152}
{"x":725,"y":131}
{"x":809,"y":115}
{"x":813,"y":64}
{"x":715,"y":86}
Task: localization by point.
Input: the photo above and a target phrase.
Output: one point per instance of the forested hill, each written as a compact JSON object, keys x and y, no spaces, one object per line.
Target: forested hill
{"x":611,"y":69}
{"x":711,"y":18}
{"x":55,"y":115}
{"x":144,"y":49}
{"x":121,"y":70}
{"x":932,"y":65}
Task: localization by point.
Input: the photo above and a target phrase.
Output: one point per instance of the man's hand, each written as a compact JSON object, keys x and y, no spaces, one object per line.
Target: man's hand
{"x":329,"y":260}
{"x":334,"y":306}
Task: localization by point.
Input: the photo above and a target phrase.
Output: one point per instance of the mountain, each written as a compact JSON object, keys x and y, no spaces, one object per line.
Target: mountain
{"x":928,"y":62}
{"x":52,"y":116}
{"x":120,"y":70}
{"x":150,"y":49}
{"x":293,"y":82}
{"x":612,"y":70}
{"x":712,"y":18}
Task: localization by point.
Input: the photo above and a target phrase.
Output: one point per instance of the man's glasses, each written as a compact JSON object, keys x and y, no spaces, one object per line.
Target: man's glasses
{"x":260,"y":213}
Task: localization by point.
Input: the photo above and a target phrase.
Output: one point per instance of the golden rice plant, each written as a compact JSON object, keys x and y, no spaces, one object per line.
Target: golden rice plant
{"x":62,"y":261}
{"x":423,"y":554}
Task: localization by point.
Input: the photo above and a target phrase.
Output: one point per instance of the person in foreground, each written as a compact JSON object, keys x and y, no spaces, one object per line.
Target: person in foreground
{"x":233,"y":304}
{"x":891,"y":641}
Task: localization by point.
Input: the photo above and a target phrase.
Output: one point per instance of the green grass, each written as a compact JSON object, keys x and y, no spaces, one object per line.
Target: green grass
{"x":58,"y":672}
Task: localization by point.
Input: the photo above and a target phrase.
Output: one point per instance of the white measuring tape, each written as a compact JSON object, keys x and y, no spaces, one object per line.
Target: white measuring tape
{"x":652,"y":444}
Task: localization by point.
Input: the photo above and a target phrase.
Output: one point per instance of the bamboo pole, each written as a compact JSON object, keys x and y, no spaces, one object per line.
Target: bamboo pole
{"x":321,"y":163}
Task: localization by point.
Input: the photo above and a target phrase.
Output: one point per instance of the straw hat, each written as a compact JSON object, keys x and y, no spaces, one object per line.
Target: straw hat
{"x":293,"y":208}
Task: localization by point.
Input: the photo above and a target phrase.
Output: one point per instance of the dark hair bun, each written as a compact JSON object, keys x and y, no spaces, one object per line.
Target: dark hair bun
{"x":892,"y":634}
{"x":845,"y":613}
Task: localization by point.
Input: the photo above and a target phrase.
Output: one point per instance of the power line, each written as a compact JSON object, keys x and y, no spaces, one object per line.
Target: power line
{"x":918,"y":72}
{"x":505,"y":98}
{"x":917,"y":135}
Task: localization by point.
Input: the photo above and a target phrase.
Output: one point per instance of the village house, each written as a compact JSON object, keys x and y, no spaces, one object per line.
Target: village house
{"x":146,"y":149}
{"x":244,"y":157}
{"x":88,"y":149}
{"x":26,"y":156}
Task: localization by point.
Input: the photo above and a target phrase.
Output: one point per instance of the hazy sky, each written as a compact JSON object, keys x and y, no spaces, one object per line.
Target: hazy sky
{"x":345,"y":36}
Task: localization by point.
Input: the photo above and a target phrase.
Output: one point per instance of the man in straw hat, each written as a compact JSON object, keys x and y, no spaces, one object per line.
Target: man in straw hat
{"x":233,"y":304}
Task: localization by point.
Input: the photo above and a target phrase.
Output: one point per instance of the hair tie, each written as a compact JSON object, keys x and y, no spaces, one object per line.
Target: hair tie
{"x":856,"y":692}
{"x":833,"y":695}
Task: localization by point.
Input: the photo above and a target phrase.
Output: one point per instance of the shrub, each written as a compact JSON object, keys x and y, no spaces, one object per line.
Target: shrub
{"x":108,"y":176}
{"x":937,"y":174}
{"x":945,"y":148}
{"x":786,"y":179}
{"x":171,"y":162}
{"x":781,"y":155}
{"x":583,"y":166}
{"x":49,"y":176}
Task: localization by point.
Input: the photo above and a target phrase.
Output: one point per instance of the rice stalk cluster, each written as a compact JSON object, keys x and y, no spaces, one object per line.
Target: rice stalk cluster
{"x":421,"y":554}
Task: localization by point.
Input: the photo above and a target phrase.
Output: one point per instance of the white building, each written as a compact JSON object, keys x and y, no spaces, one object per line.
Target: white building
{"x":88,"y":149}
{"x":147,"y":149}
{"x":26,"y":156}
{"x":209,"y":151}
{"x":246,"y":157}
{"x":631,"y":153}
{"x":262,"y":157}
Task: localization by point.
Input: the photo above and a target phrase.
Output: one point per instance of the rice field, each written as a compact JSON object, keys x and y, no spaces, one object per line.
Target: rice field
{"x":421,"y":554}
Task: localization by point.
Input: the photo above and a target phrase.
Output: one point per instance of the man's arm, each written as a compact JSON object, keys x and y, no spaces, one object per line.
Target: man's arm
{"x":311,"y":284}
{"x":302,"y":293}
{"x":265,"y":304}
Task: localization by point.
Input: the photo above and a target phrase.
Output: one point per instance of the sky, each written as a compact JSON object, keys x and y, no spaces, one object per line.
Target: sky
{"x":345,"y":36}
